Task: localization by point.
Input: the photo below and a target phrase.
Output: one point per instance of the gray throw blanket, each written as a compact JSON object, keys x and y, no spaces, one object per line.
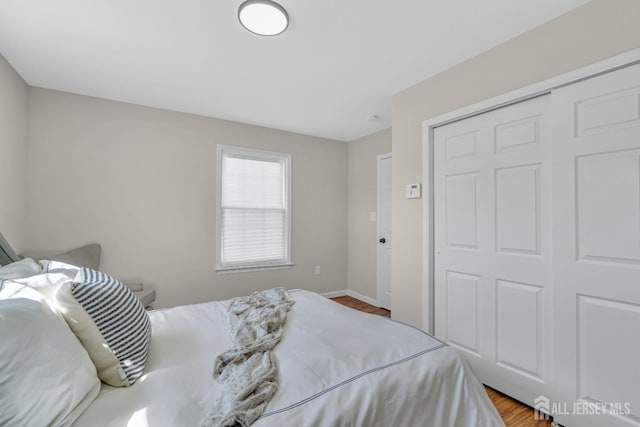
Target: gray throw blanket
{"x":248,"y":372}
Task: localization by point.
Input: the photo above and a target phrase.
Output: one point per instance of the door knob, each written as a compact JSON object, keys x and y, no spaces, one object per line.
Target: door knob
{"x":382,"y":240}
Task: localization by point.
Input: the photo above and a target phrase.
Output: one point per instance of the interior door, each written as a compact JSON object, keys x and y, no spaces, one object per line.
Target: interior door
{"x":597,"y":239}
{"x":492,"y":231}
{"x":384,"y":231}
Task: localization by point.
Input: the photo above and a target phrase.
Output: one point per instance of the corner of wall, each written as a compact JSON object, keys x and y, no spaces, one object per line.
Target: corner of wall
{"x":362,"y":194}
{"x":13,"y":146}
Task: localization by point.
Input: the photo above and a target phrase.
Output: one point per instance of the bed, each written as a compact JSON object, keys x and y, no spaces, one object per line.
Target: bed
{"x":337,"y":366}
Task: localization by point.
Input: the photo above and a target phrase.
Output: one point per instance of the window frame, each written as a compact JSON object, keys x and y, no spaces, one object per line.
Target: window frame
{"x":256,"y":154}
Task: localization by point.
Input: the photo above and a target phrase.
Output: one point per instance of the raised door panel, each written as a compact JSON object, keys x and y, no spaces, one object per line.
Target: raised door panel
{"x":517,"y":134}
{"x":608,"y":112}
{"x":602,"y":325}
{"x":518,"y":209}
{"x":462,"y":311}
{"x":461,"y":211}
{"x":458,"y":146}
{"x":608,"y":207}
{"x":519,"y":328}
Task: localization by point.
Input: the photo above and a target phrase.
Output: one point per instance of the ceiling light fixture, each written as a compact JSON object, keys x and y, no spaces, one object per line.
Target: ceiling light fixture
{"x":263,"y":17}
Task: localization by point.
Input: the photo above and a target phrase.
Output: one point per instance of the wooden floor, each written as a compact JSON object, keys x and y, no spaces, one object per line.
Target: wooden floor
{"x":514,"y":413}
{"x":361,"y":306}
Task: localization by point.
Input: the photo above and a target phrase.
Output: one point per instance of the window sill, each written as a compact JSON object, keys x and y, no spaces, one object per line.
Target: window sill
{"x":230,"y":270}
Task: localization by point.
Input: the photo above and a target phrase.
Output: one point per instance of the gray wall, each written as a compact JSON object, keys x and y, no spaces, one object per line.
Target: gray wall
{"x":363,"y":199}
{"x":141,"y":181}
{"x":13,"y":154}
{"x":598,"y":30}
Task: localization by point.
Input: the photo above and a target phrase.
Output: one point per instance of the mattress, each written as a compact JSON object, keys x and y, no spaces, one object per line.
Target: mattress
{"x":338,"y":367}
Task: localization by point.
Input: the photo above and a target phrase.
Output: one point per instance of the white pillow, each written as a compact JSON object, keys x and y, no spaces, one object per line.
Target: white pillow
{"x":50,"y":266}
{"x":46,"y":375}
{"x":20,"y":269}
{"x":47,"y":284}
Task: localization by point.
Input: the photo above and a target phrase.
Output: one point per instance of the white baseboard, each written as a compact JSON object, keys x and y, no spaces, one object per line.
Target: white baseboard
{"x":334,"y":294}
{"x":362,"y":298}
{"x":352,"y":294}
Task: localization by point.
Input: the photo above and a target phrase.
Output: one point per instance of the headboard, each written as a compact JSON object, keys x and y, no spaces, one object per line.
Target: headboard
{"x":7,"y":255}
{"x":84,"y":256}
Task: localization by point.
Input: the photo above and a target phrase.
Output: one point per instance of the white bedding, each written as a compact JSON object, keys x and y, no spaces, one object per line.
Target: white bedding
{"x":338,"y":367}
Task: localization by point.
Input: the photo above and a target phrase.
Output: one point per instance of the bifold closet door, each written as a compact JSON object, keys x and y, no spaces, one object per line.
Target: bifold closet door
{"x":492,"y":266}
{"x":596,"y":169}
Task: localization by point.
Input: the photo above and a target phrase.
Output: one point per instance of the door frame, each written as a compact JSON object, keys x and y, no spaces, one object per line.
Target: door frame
{"x":537,"y":89}
{"x":379,"y":289}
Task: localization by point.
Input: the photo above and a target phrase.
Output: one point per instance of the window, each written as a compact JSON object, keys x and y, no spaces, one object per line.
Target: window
{"x":254,"y":209}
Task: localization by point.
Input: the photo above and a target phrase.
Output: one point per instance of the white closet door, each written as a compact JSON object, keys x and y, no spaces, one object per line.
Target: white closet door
{"x":493,"y":245}
{"x":597,"y":245}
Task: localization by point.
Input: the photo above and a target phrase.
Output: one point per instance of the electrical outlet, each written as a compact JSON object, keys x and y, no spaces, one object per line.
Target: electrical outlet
{"x":317,"y":269}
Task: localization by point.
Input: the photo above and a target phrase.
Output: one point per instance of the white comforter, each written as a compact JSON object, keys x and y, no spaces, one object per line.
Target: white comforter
{"x":338,"y":367}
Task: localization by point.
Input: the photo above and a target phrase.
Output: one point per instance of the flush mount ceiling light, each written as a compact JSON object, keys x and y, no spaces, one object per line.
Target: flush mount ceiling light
{"x":263,"y":17}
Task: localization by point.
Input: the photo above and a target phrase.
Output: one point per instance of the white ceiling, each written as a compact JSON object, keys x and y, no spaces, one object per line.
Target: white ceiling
{"x":339,"y":61}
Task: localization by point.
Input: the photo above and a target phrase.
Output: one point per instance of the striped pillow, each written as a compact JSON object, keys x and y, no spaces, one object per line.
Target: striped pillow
{"x":111,"y":324}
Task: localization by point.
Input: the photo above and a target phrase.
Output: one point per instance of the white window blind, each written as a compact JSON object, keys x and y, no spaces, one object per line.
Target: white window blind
{"x":254,"y":214}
